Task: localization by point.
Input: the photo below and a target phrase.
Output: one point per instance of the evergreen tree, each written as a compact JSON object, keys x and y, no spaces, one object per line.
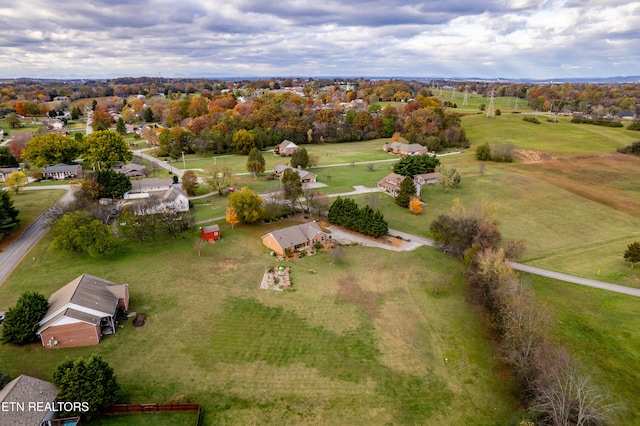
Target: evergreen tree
{"x":411,"y":165}
{"x":632,"y":254}
{"x":148,"y":115}
{"x":300,"y":158}
{"x":21,"y":322}
{"x":6,"y":158}
{"x":407,"y":190}
{"x":379,"y":226}
{"x":121,"y":127}
{"x":8,"y":214}
{"x":89,"y":380}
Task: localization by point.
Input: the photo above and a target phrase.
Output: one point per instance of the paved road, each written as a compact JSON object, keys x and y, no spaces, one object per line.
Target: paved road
{"x":160,"y":163}
{"x":11,"y":257}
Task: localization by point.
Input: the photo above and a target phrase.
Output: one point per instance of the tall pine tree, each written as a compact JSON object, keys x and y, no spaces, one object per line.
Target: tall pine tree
{"x":407,"y":190}
{"x":8,"y":214}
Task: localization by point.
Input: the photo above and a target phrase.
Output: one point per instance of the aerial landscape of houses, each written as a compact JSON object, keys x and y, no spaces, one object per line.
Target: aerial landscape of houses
{"x":319,"y":214}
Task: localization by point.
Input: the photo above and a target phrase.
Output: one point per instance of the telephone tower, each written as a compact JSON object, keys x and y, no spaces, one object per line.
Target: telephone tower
{"x":453,"y":93}
{"x":465,"y":102}
{"x":491,"y":113}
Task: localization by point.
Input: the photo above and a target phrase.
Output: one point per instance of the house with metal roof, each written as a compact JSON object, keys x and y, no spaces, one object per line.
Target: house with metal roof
{"x":83,"y":311}
{"x":404,"y":148}
{"x":294,"y":237}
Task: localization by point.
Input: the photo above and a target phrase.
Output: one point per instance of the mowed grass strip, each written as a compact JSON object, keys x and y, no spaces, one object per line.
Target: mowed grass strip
{"x":310,"y":356}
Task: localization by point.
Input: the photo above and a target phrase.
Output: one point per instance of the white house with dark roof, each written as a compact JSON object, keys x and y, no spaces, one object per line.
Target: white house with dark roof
{"x":81,"y":312}
{"x":62,"y":171}
{"x":6,"y":171}
{"x":294,"y":237}
{"x":173,"y":200}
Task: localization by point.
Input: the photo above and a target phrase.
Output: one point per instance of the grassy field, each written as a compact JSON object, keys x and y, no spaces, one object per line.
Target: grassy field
{"x":188,"y":418}
{"x":598,"y":330}
{"x":362,"y":341}
{"x":30,"y":205}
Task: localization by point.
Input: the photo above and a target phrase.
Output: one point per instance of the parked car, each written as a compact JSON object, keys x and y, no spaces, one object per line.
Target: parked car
{"x":232,"y":189}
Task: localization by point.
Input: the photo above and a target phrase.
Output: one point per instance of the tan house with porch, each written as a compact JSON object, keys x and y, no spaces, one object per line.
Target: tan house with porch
{"x":286,"y":148}
{"x":294,"y":237}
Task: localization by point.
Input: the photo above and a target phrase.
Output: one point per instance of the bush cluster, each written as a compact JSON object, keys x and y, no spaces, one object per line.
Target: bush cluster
{"x":634,"y":148}
{"x":529,"y":119}
{"x":345,"y":212}
{"x":597,"y":121}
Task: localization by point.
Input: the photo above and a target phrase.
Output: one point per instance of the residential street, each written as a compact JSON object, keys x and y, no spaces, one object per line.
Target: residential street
{"x":11,"y":257}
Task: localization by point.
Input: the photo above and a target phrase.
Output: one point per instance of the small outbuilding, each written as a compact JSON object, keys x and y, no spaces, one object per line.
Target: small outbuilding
{"x":210,"y":233}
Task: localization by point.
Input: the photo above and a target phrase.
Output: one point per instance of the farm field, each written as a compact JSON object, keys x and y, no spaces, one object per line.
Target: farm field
{"x":364,"y":340}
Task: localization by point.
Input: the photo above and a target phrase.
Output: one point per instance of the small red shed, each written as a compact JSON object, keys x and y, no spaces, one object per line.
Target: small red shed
{"x":210,"y":233}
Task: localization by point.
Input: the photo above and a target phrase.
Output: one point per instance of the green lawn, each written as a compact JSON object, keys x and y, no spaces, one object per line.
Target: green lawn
{"x":363,"y":341}
{"x":600,"y":331}
{"x":30,"y":205}
{"x":185,"y":418}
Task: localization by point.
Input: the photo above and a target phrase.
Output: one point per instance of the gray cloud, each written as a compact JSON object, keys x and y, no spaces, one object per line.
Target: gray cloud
{"x":508,"y":38}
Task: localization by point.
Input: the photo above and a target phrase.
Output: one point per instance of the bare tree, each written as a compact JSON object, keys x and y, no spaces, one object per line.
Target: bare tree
{"x":567,"y":397}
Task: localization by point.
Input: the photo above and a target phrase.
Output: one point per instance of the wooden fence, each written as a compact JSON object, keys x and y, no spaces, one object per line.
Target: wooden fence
{"x":150,"y":408}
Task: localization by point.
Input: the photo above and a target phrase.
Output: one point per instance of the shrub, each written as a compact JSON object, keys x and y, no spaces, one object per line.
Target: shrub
{"x":634,"y":126}
{"x":634,"y":148}
{"x":317,"y":245}
{"x":483,"y":152}
{"x":21,"y":323}
{"x":531,"y":120}
{"x":498,"y":112}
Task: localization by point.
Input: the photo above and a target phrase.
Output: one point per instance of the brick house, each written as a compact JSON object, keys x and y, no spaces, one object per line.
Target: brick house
{"x":404,"y":148}
{"x":81,"y":312}
{"x":294,"y":237}
{"x":391,"y":183}
{"x":286,"y":148}
{"x":305,"y":176}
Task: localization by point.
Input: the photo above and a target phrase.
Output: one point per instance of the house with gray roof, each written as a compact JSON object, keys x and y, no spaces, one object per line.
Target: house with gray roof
{"x":20,"y":398}
{"x":305,"y":176}
{"x":286,"y":148}
{"x":62,"y":171}
{"x":404,"y":148}
{"x":83,"y":311}
{"x":6,"y":171}
{"x":294,"y":237}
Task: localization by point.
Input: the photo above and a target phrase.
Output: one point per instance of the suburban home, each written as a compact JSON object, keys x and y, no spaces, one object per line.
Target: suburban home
{"x":18,"y":394}
{"x":305,"y":176}
{"x":173,"y":200}
{"x":391,"y":183}
{"x":404,"y":148}
{"x":286,"y":148}
{"x":6,"y":171}
{"x":151,"y":185}
{"x":132,"y":170}
{"x":210,"y":233}
{"x":62,"y":171}
{"x":294,"y":237}
{"x":83,"y":311}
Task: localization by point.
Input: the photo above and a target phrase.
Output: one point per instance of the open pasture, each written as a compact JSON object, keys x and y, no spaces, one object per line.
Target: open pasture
{"x":364,"y":340}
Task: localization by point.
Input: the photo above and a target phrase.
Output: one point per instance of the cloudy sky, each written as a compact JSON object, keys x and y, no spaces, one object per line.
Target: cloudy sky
{"x":448,"y":38}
